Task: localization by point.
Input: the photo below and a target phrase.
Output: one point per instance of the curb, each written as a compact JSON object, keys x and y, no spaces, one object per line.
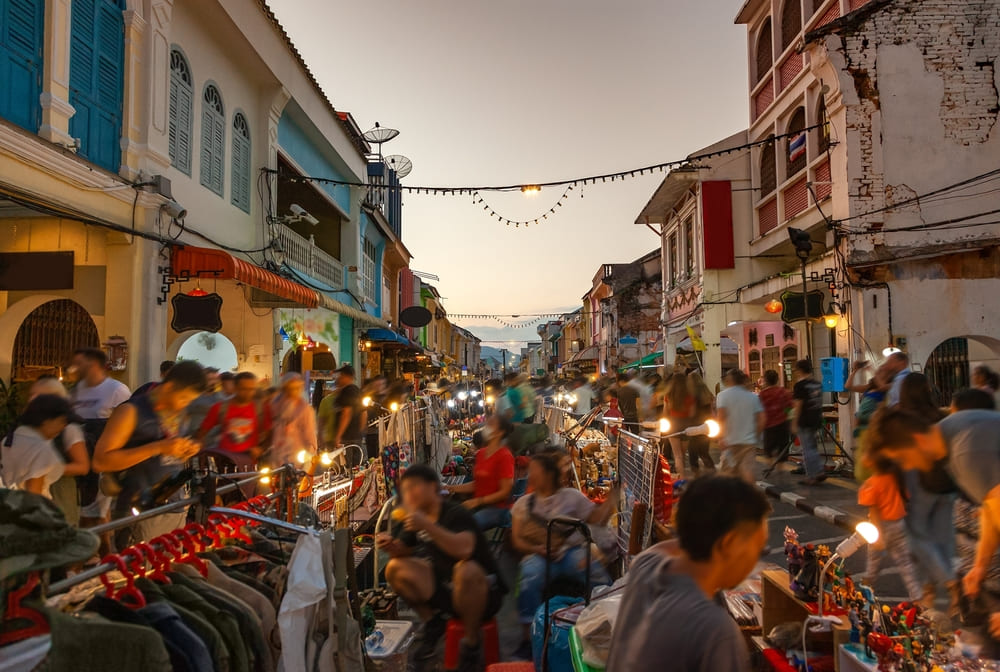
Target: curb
{"x":829,"y":514}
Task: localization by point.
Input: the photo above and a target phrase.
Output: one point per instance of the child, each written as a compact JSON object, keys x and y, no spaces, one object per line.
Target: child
{"x":883,"y":495}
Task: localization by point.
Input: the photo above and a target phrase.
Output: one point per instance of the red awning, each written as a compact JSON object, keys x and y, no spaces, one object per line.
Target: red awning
{"x":208,"y":263}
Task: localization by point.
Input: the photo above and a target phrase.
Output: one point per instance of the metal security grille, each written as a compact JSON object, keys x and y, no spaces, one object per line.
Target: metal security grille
{"x":638,"y":462}
{"x":49,"y":336}
{"x":948,"y":369}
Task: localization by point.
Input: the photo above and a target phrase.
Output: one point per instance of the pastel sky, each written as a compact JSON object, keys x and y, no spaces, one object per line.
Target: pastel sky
{"x":517,"y":91}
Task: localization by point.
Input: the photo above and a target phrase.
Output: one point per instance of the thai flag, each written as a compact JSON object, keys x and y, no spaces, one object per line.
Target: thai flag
{"x":797,"y":146}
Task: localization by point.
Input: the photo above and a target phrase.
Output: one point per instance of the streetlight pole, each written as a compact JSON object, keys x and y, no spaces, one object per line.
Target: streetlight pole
{"x":805,"y":306}
{"x":803,"y":248}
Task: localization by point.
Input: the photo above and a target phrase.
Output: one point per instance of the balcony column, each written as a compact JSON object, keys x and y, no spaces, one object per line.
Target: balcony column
{"x":56,"y":110}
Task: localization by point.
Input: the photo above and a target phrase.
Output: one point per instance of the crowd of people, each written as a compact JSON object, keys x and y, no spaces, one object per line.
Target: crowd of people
{"x":929,"y":477}
{"x":100,"y":451}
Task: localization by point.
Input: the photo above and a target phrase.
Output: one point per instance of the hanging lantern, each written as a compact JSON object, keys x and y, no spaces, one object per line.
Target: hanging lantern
{"x":116,"y":348}
{"x":197,"y":291}
{"x":773,"y":306}
{"x":831,"y":320}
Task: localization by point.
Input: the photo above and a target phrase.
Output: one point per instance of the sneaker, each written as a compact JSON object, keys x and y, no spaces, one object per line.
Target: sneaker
{"x":426,"y":642}
{"x":469,"y":658}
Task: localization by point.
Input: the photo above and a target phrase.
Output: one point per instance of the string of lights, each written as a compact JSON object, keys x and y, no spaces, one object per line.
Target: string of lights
{"x":528,"y":187}
{"x":477,"y":198}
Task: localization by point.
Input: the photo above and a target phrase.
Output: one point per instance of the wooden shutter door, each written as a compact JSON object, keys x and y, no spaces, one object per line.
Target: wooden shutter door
{"x":21,"y":29}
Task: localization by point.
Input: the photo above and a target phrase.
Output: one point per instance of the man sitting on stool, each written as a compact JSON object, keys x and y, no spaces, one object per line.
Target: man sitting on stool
{"x":441,"y":566}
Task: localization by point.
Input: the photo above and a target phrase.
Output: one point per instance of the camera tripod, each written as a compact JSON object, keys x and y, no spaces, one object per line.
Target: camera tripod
{"x":843,"y":461}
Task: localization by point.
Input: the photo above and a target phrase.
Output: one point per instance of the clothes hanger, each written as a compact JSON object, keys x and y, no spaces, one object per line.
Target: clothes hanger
{"x":156,"y":563}
{"x":190,"y":557}
{"x":129,"y":594}
{"x":38,"y":625}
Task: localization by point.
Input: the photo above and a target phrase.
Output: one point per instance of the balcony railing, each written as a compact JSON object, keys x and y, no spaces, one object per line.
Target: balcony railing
{"x":304,"y":256}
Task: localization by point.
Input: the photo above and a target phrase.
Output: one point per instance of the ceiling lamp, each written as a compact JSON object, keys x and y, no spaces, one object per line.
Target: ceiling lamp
{"x":774,"y":306}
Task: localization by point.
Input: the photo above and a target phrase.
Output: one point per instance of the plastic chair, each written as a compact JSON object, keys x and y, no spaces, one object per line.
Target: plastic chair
{"x":453,"y":637}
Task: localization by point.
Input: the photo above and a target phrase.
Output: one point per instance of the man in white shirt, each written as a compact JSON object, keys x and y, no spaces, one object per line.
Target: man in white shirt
{"x":584,"y":394}
{"x":96,"y":393}
{"x":742,"y":418}
{"x":94,"y":397}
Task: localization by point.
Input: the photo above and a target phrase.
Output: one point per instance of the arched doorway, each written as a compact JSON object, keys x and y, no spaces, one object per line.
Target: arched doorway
{"x":210,"y":349}
{"x":949,"y":367}
{"x":48,"y":336}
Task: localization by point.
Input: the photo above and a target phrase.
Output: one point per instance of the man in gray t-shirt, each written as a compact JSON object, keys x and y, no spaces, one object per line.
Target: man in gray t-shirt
{"x":669,"y":612}
{"x":973,"y":440}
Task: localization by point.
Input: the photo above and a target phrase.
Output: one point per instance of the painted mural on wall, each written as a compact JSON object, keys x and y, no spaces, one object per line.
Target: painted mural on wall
{"x":301,"y":325}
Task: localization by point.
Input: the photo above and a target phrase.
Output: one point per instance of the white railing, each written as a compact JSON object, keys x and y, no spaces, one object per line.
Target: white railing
{"x":304,"y":256}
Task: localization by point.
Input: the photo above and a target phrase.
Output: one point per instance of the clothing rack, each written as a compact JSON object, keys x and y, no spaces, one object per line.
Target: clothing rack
{"x":104,"y":567}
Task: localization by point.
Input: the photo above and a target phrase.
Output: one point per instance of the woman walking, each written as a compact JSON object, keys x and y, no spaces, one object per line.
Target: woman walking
{"x":679,"y":406}
{"x":929,"y":509}
{"x":704,"y":409}
{"x":294,"y":422}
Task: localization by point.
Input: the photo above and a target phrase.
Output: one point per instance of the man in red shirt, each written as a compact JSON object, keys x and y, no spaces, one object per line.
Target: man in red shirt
{"x":240,"y":425}
{"x":777,"y":401}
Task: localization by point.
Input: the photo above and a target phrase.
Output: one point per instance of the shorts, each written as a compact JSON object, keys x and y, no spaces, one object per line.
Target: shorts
{"x":441,"y":599}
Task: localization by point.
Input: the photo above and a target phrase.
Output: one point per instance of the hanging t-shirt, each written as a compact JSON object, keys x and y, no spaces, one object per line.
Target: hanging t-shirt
{"x":490,"y":470}
{"x":810,"y":392}
{"x":242,"y":426}
{"x":30,"y":456}
{"x":91,"y":403}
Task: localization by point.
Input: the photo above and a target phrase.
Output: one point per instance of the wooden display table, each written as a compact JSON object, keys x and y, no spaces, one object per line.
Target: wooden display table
{"x":779,"y":605}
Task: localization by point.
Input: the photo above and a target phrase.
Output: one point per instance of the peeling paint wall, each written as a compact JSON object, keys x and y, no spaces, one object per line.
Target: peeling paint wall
{"x":919,"y":83}
{"x":922,"y":114}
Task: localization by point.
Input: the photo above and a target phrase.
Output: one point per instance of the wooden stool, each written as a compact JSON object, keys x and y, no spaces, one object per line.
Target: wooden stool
{"x":490,"y":643}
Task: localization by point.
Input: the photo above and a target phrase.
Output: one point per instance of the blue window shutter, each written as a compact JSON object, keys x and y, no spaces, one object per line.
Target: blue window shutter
{"x":213,"y":137}
{"x":96,"y":79}
{"x":21,"y":30}
{"x":241,"y":162}
{"x":181,"y":112}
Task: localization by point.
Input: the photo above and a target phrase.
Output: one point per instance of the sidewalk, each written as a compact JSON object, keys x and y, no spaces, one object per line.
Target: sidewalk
{"x":834,"y":501}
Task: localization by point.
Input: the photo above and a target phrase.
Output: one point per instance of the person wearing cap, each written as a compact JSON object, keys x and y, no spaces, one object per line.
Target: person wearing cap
{"x":348,"y":421}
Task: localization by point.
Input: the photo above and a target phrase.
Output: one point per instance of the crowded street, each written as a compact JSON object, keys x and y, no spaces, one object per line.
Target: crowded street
{"x":534,"y":336}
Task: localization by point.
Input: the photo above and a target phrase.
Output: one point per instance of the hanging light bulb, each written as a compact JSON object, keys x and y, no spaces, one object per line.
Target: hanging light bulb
{"x":831,"y":320}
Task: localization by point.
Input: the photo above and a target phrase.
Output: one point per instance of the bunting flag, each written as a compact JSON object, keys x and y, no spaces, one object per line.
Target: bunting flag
{"x":797,"y":146}
{"x":697,"y":344}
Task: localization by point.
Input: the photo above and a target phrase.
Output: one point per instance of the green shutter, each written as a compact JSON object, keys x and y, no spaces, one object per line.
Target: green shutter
{"x":213,"y":137}
{"x":21,"y":29}
{"x":181,"y":112}
{"x":241,"y":163}
{"x":96,"y":79}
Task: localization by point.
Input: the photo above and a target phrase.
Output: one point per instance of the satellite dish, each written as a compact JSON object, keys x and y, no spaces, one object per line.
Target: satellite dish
{"x":415,"y":316}
{"x":400,"y":164}
{"x":378,"y":135}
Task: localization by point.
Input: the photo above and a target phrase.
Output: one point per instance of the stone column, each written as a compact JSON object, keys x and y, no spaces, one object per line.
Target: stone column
{"x":54,"y":99}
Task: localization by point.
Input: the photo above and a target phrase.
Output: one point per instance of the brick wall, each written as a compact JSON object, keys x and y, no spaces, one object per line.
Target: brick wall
{"x":959,"y":44}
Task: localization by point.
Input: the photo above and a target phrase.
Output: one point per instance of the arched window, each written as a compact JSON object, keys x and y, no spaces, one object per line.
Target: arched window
{"x":181,"y":111}
{"x":213,"y":140}
{"x":823,"y":121}
{"x":241,"y":162}
{"x":765,"y":51}
{"x":768,"y":170}
{"x":796,"y":143}
{"x":96,"y":79}
{"x":791,"y":23}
